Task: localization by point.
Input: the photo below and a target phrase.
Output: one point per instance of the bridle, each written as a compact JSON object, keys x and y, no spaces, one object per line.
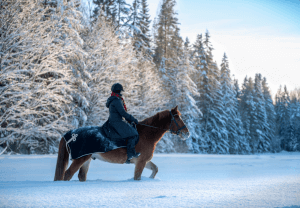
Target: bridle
{"x":173,"y":119}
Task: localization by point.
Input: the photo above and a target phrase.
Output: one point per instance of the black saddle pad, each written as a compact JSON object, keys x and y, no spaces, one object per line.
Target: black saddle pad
{"x":91,"y":139}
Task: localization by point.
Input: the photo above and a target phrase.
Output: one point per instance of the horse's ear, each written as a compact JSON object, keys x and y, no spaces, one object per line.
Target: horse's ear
{"x":174,"y":110}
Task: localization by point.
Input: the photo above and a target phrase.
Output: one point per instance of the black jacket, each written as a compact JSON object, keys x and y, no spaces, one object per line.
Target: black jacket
{"x":115,"y":127}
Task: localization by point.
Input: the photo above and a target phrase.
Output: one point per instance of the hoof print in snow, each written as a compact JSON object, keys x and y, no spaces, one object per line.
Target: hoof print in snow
{"x":160,"y":197}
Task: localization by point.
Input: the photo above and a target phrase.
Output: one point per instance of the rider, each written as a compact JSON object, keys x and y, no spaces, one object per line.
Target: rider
{"x":119,"y":129}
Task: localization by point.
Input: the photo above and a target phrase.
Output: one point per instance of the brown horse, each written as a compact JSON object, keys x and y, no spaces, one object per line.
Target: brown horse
{"x":150,"y":130}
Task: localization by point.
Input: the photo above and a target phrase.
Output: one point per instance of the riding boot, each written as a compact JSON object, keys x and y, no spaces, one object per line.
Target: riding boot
{"x":131,"y":149}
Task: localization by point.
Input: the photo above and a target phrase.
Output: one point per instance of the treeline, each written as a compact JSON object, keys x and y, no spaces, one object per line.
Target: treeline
{"x":58,"y":60}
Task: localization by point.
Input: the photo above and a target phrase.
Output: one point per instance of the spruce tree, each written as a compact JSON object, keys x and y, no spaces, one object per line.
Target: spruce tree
{"x":140,"y":27}
{"x":287,"y":132}
{"x":270,"y":110}
{"x":261,"y":124}
{"x":279,"y":109}
{"x":295,"y":108}
{"x":166,"y":29}
{"x":234,"y":125}
{"x":186,"y":93}
{"x":216,"y":118}
{"x":248,"y":113}
{"x":105,"y":7}
{"x":121,"y":17}
{"x":201,"y":79}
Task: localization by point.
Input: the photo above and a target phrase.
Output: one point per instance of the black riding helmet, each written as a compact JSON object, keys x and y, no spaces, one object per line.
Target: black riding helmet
{"x":116,"y":88}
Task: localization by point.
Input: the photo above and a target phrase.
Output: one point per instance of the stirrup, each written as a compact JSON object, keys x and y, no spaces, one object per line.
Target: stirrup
{"x":128,"y":161}
{"x":137,"y":154}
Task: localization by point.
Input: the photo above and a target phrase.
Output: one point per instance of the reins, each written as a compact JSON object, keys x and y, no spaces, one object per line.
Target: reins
{"x":153,"y":127}
{"x":173,"y":119}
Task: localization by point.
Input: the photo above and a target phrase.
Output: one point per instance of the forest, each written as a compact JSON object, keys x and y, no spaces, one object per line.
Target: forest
{"x":59,"y":59}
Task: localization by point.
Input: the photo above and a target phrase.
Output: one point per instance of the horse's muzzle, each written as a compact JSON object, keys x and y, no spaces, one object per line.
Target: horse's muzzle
{"x":184,"y":135}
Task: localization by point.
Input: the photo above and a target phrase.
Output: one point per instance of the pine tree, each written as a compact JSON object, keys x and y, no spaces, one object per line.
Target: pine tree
{"x":188,"y":51}
{"x":234,"y":125}
{"x":270,"y":110}
{"x":279,"y":109}
{"x":216,"y":118}
{"x":121,"y":17}
{"x":166,"y":56}
{"x":200,"y":78}
{"x":288,"y":139}
{"x":186,"y":92}
{"x":140,"y":27}
{"x":295,"y":108}
{"x":248,"y":113}
{"x":166,"y":29}
{"x":244,"y":144}
{"x":174,"y":67}
{"x":262,"y":127}
{"x":199,"y":61}
{"x":237,"y":90}
{"x":104,"y":6}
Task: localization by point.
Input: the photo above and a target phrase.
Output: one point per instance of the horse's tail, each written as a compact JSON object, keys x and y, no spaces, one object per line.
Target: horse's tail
{"x":62,"y":161}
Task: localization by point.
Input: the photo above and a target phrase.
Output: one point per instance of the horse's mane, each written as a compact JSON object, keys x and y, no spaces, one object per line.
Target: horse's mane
{"x":156,"y":118}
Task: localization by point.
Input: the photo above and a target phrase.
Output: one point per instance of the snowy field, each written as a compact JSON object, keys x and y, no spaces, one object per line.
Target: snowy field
{"x":183,"y":180}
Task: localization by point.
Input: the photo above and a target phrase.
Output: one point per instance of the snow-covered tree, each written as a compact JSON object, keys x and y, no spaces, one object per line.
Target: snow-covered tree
{"x":295,"y":109}
{"x":121,"y":17}
{"x":105,"y":7}
{"x":166,"y":27}
{"x":173,"y":62}
{"x":214,"y":117}
{"x":284,"y":115}
{"x":141,"y":27}
{"x":260,"y":123}
{"x":186,"y":92}
{"x":248,"y":113}
{"x":35,"y":80}
{"x":271,"y":116}
{"x":234,"y":126}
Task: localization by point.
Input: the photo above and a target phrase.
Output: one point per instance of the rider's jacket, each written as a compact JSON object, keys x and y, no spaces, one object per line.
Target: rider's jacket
{"x":115,"y":127}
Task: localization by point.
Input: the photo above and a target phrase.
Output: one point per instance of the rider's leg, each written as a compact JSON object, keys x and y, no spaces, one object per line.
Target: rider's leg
{"x":131,"y":148}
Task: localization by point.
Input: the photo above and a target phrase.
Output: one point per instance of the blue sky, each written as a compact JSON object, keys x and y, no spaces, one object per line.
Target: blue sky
{"x":258,"y":36}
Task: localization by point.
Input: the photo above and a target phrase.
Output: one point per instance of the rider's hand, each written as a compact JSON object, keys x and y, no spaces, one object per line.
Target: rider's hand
{"x":135,"y":121}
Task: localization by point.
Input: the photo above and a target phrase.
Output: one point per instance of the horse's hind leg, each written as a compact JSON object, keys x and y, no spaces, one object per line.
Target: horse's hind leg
{"x":150,"y":165}
{"x":84,"y":170}
{"x":74,"y":167}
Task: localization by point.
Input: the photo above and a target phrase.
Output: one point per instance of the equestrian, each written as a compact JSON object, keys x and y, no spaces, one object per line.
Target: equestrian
{"x":118,"y":129}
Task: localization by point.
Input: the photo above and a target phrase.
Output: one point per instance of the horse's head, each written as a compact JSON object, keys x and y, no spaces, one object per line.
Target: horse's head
{"x":177,"y":125}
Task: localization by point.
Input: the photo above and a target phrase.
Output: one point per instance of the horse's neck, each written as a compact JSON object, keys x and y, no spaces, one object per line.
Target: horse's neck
{"x":163,"y":126}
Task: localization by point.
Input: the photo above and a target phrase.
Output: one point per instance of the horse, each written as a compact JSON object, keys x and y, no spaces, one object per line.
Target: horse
{"x":150,"y":130}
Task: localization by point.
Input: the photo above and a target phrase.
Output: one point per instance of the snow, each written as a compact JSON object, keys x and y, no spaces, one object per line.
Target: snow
{"x":183,"y":180}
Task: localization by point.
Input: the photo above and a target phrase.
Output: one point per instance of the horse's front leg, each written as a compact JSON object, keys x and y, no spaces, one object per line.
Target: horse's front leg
{"x":139,"y":167}
{"x":150,"y":165}
{"x":76,"y":164}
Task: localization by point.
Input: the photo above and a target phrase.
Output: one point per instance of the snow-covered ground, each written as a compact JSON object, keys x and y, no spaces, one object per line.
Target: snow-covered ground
{"x":183,"y":180}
